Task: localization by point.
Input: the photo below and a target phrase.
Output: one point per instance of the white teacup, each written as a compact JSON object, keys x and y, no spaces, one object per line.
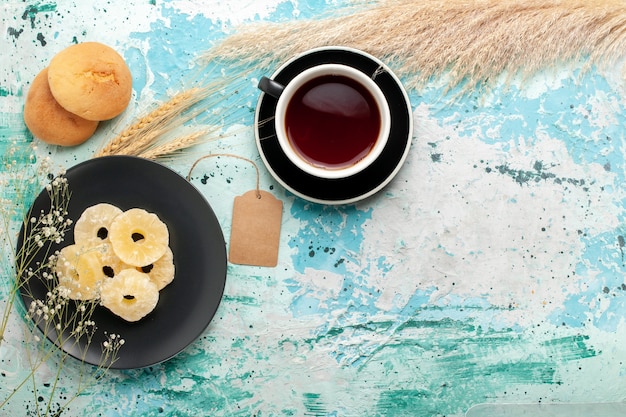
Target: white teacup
{"x":331,"y":121}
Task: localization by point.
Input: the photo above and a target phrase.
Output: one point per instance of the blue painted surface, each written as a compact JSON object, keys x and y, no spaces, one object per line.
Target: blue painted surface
{"x":490,"y":269}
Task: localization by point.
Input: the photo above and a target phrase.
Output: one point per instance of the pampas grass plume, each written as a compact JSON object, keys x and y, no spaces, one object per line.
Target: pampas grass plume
{"x":471,"y":42}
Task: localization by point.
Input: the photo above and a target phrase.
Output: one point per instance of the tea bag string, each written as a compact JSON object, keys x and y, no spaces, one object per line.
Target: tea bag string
{"x":256,"y":168}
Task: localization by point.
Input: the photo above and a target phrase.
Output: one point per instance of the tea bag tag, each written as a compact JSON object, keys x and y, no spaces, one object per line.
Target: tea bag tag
{"x":255,"y":229}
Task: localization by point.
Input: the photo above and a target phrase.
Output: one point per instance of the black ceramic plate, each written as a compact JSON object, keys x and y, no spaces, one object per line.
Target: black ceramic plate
{"x":368,"y":181}
{"x":188,"y":304}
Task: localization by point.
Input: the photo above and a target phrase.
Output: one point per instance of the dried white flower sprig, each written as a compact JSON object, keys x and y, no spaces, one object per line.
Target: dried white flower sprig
{"x":53,"y":324}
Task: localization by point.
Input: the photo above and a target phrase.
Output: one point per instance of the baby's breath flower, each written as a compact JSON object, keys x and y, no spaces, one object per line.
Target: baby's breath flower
{"x":113,"y":343}
{"x":54,"y":314}
{"x":64,"y":292}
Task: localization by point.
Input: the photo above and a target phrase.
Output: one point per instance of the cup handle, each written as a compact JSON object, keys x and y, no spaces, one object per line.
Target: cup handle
{"x":270,"y":87}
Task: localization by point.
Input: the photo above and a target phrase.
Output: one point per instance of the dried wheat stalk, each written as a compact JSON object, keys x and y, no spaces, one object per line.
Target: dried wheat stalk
{"x":177,"y":144}
{"x":139,"y":135}
{"x":472,"y":42}
{"x":155,"y":134}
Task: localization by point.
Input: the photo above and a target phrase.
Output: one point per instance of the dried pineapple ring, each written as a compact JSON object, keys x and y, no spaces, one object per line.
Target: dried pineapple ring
{"x":93,"y":225}
{"x":130,"y":295}
{"x":162,"y":271}
{"x":111,"y":264}
{"x":79,"y":271}
{"x":138,"y":238}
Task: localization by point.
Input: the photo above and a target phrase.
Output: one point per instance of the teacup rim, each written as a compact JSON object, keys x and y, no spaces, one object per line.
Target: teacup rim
{"x":384,"y":112}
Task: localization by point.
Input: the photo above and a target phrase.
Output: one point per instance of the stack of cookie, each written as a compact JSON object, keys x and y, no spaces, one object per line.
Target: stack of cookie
{"x":84,"y":84}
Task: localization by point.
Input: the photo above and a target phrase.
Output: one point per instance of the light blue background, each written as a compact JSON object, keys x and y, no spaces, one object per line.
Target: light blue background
{"x":489,"y":270}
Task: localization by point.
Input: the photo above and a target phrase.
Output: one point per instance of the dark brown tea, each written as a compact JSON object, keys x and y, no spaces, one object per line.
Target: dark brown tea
{"x":332,"y":121}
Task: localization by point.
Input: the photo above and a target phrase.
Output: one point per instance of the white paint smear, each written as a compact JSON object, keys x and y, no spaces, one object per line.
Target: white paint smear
{"x":234,"y":13}
{"x":474,"y":233}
